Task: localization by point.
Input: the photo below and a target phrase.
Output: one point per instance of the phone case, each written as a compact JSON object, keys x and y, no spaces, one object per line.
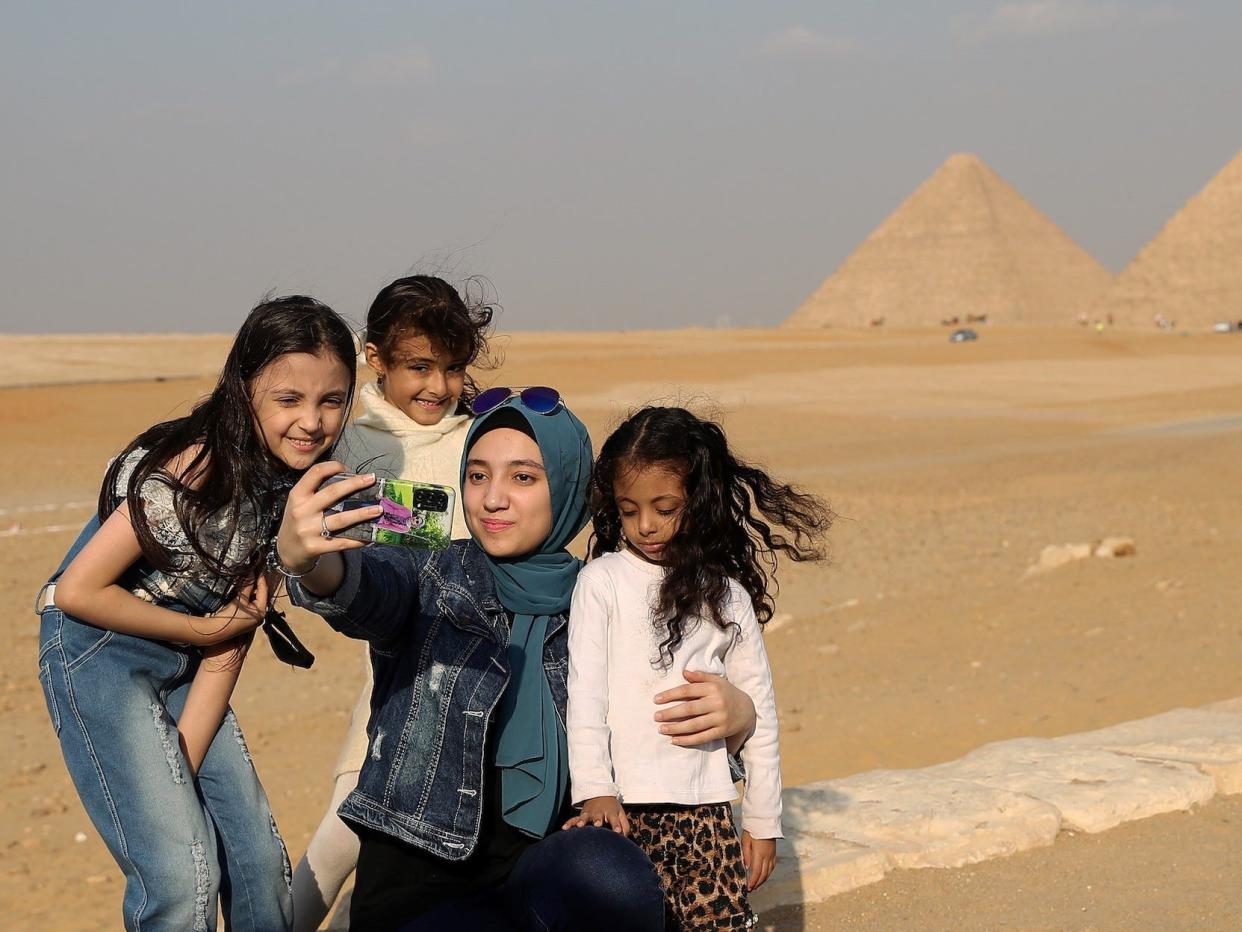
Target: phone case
{"x":416,"y":514}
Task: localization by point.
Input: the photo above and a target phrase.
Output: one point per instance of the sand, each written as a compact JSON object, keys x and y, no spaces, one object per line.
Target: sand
{"x":951,"y":466}
{"x":108,"y":357}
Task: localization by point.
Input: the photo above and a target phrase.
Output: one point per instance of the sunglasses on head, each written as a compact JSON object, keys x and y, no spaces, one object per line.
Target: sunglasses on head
{"x":537,"y":398}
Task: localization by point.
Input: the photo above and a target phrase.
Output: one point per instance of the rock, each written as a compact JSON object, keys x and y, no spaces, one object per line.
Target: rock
{"x":922,"y":820}
{"x":1092,"y":789}
{"x":1052,"y":556}
{"x":1209,"y":739}
{"x":812,"y":866}
{"x":1002,"y":798}
{"x":1116,"y":547}
{"x":1056,"y":555}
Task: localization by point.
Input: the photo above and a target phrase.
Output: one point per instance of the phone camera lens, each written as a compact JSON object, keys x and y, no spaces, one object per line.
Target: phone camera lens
{"x":430,"y":500}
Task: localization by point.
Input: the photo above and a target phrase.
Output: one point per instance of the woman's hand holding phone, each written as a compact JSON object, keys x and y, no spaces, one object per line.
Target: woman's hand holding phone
{"x":305,"y":545}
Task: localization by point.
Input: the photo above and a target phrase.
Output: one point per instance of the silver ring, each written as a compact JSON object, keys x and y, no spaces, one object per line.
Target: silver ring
{"x":323,"y":527}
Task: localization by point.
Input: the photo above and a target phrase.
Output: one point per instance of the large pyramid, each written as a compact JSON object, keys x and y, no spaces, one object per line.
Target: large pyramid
{"x":964,"y":243}
{"x":1192,"y":271}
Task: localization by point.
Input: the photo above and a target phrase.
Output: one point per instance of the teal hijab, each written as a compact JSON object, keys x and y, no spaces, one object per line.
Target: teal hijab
{"x":531,"y":751}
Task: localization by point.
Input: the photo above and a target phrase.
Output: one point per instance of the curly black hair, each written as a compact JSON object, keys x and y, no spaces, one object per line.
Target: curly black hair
{"x":429,"y":306}
{"x":736,"y":521}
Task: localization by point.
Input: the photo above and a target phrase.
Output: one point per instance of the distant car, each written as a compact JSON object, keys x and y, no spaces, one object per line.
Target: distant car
{"x":1222,"y":326}
{"x":963,"y":335}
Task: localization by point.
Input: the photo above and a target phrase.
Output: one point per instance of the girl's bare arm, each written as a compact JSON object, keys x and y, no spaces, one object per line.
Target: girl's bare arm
{"x":89,"y":591}
{"x":208,"y":700}
{"x":216,"y":677}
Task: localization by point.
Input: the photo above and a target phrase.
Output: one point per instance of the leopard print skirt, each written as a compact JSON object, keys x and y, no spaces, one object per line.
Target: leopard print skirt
{"x":698,"y":857}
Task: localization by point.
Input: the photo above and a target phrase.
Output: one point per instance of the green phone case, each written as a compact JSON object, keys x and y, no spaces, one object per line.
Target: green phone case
{"x":416,"y":514}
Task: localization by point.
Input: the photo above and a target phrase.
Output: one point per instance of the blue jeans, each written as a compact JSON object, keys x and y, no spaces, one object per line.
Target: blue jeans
{"x":583,"y":878}
{"x":182,"y":842}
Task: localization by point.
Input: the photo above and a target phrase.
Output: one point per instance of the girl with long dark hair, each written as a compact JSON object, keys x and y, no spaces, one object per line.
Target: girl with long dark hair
{"x":687,"y":537}
{"x":145,"y":626}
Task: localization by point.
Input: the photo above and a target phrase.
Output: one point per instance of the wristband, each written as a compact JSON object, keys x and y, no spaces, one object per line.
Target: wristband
{"x":273,"y":561}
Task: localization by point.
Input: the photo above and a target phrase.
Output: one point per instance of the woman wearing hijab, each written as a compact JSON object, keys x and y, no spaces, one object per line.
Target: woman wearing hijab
{"x":467,"y":768}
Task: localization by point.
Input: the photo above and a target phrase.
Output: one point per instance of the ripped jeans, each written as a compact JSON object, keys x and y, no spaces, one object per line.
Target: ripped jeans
{"x":183,"y":843}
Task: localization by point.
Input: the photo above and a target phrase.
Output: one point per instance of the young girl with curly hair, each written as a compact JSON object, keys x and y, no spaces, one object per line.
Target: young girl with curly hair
{"x":686,"y":539}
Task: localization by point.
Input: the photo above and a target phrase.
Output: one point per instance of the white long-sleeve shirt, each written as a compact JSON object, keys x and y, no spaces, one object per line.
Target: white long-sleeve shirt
{"x":615,"y":746}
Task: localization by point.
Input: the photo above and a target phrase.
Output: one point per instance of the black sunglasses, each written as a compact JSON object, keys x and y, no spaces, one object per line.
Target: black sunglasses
{"x":537,"y":398}
{"x":285,"y":644}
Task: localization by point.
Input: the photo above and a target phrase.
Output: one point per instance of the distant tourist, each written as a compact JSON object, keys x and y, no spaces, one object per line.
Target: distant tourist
{"x":146,"y":626}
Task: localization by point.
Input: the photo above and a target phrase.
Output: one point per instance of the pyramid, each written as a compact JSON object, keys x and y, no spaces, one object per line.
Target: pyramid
{"x":1192,"y":271}
{"x":963,"y":244}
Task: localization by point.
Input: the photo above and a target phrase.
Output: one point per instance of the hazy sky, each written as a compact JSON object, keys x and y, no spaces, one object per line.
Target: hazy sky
{"x":613,"y":165}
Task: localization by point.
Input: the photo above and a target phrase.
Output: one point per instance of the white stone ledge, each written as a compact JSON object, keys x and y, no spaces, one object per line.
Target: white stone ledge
{"x":1000,"y":799}
{"x":1091,"y":789}
{"x":1209,"y":738}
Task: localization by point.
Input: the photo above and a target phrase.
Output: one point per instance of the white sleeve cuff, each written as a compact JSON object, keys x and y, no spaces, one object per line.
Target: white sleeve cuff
{"x":583,"y":792}
{"x":762,"y":828}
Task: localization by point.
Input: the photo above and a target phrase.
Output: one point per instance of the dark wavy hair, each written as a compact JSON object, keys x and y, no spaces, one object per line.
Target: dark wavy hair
{"x":429,"y":306}
{"x":232,"y":465}
{"x":736,"y":521}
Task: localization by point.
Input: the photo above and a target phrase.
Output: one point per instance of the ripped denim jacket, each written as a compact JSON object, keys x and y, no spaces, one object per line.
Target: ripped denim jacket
{"x":437,"y":634}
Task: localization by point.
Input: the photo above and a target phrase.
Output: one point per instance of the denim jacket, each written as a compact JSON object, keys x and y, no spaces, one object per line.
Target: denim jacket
{"x":438,"y":635}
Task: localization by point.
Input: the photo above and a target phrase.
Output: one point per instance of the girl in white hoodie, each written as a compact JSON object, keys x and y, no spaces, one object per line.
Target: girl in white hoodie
{"x":412,"y":423}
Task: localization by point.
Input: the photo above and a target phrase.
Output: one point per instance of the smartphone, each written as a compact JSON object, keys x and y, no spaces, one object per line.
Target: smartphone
{"x":416,"y":514}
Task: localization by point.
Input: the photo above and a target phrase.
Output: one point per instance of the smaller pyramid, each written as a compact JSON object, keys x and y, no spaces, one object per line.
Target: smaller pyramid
{"x":1191,"y":273}
{"x":964,"y":244}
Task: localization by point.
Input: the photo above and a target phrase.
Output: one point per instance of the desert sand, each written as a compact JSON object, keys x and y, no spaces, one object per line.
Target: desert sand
{"x":952,"y":467}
